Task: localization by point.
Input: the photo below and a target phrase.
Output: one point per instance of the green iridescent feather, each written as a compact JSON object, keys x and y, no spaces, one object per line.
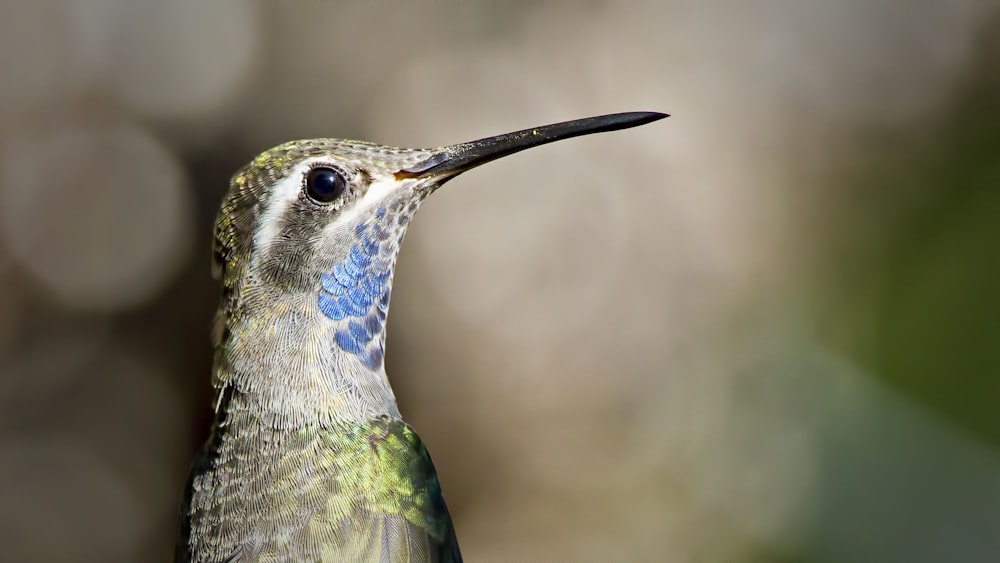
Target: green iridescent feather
{"x":354,"y":492}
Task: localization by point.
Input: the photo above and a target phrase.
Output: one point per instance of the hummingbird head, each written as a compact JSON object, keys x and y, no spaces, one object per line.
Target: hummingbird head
{"x":306,"y":243}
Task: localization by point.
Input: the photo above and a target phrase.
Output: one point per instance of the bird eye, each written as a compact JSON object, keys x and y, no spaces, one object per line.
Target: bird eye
{"x":325,"y":184}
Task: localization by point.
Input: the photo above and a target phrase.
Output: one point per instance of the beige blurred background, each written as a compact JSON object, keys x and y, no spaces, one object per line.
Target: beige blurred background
{"x":762,"y":330}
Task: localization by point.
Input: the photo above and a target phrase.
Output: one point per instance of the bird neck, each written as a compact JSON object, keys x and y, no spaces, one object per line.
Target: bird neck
{"x":285,"y":361}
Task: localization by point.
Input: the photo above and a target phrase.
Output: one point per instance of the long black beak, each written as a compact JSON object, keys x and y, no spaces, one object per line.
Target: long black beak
{"x":453,"y":160}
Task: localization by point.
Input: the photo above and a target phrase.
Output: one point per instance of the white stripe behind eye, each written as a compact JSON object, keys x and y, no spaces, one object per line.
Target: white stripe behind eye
{"x":282,"y":195}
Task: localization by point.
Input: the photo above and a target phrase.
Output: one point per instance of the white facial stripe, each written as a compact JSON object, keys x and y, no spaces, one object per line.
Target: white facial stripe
{"x":378,"y":191}
{"x":282,"y":196}
{"x":287,"y":191}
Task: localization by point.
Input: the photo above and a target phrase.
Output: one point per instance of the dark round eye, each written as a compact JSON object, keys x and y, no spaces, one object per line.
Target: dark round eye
{"x":325,"y":184}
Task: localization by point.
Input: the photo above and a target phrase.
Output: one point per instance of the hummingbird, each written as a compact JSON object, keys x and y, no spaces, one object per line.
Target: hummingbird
{"x":308,"y":457}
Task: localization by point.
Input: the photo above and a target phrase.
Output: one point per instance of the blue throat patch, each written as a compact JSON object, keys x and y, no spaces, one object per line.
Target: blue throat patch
{"x":358,"y":288}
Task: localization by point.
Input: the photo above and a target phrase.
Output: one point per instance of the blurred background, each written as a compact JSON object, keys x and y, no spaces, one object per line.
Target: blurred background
{"x":763,"y":330}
